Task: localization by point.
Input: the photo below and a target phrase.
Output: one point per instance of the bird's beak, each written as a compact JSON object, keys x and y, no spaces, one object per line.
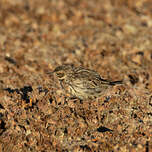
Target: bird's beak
{"x":50,"y":73}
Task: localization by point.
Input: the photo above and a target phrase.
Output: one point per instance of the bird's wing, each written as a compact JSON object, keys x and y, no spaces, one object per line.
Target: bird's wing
{"x":86,"y":79}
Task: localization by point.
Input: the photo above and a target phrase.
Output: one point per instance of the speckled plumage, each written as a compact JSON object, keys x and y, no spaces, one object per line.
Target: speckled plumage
{"x":82,"y":83}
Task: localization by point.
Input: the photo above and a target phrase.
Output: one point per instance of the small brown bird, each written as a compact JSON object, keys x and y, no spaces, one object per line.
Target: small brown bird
{"x":82,"y":83}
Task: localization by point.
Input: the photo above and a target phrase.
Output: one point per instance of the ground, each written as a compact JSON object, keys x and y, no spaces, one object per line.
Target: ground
{"x":111,"y":37}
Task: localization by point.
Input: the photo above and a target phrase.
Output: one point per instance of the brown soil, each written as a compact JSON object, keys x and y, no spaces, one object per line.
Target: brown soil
{"x":112,"y":37}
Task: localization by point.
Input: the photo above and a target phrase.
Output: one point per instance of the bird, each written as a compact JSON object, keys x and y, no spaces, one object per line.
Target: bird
{"x":82,"y":83}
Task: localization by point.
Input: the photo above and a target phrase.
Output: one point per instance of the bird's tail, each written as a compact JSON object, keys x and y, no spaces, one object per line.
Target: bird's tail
{"x":115,"y":82}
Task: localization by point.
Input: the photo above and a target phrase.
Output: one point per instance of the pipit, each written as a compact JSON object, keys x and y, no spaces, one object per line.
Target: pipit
{"x":82,"y":83}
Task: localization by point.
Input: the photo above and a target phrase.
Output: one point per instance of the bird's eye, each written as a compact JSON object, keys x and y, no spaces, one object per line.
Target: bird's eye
{"x":60,"y":75}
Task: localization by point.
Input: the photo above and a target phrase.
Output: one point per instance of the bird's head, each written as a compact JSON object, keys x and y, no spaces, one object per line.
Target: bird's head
{"x":63,"y":71}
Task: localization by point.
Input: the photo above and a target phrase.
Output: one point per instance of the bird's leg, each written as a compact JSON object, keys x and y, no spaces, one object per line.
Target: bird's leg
{"x":67,"y":98}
